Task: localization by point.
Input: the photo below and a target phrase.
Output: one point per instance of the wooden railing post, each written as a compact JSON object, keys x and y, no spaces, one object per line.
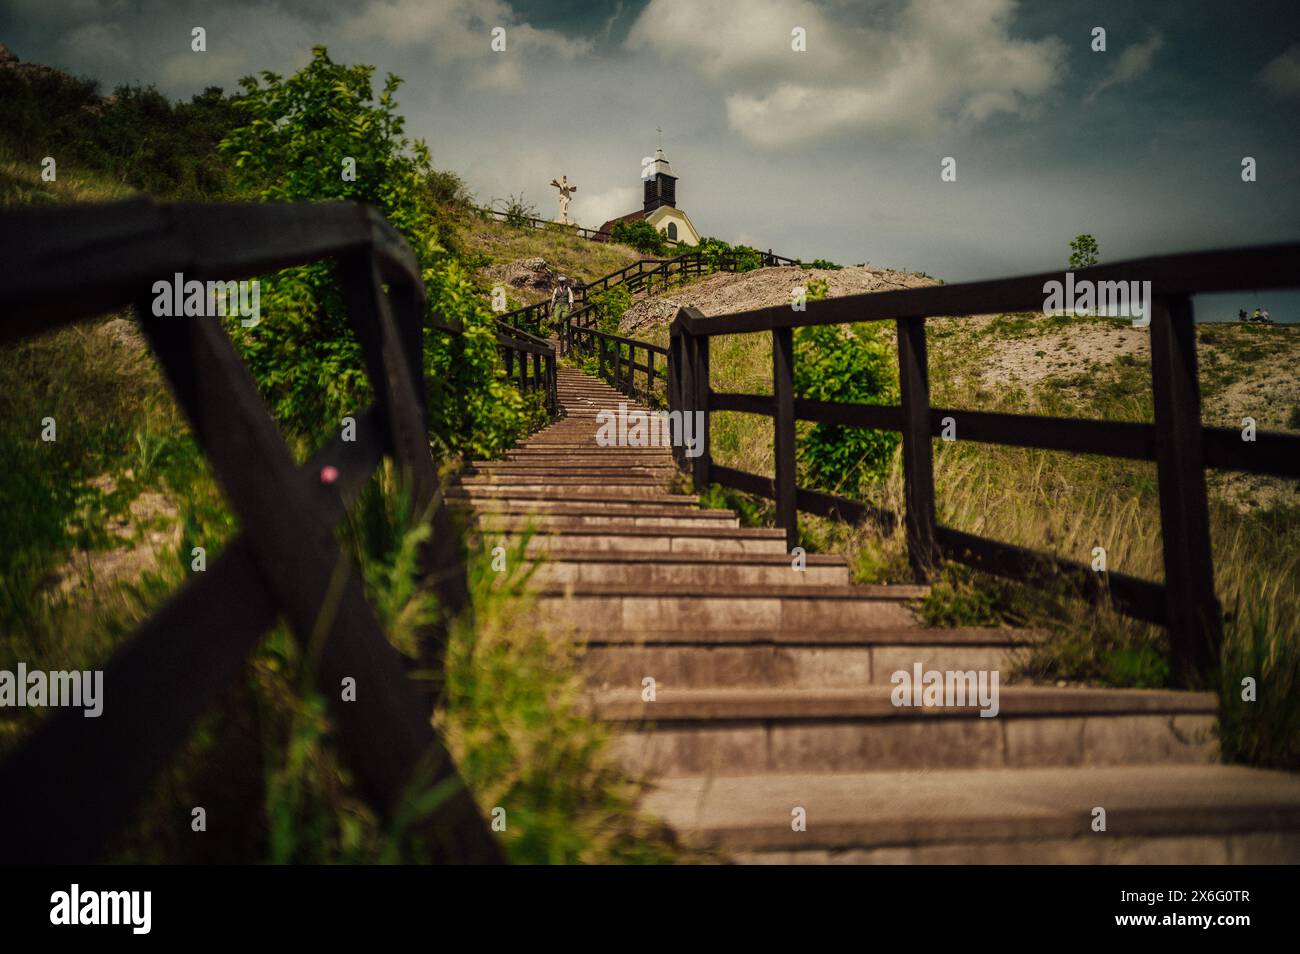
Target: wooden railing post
{"x":678,"y":375}
{"x":696,"y":398}
{"x":552,"y":386}
{"x":600,"y":361}
{"x":1194,"y":618}
{"x":918,"y":453}
{"x":783,"y":422}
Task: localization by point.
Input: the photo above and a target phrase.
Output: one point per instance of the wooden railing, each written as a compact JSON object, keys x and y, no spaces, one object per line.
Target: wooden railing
{"x":74,"y":782}
{"x":637,"y":276}
{"x":616,"y":356}
{"x":1176,"y":441}
{"x":640,"y":274}
{"x":519,"y":346}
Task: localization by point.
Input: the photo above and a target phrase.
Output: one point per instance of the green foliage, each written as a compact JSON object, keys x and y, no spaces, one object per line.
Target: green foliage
{"x":817,"y":289}
{"x":137,"y":136}
{"x":610,"y":306}
{"x":518,"y":212}
{"x":1266,"y":730}
{"x":472,"y":408}
{"x":298,"y":133}
{"x":445,"y":188}
{"x":641,"y":235}
{"x":1140,"y":666}
{"x":822,"y":263}
{"x":845,"y":364}
{"x":742,"y":258}
{"x":1083,"y":251}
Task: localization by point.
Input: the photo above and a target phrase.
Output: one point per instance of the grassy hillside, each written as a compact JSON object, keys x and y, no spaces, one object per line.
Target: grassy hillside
{"x":490,"y":246}
{"x":1068,"y":504}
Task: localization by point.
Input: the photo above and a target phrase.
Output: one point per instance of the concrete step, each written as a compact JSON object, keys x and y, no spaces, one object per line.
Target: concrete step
{"x":850,"y":661}
{"x":755,"y":731}
{"x":606,"y":608}
{"x":486,"y":506}
{"x":1165,"y":814}
{"x":511,"y":522}
{"x":597,"y":494}
{"x":601,"y":471}
{"x":657,"y":456}
{"x":623,"y":535}
{"x":600,"y":482}
{"x":647,"y":568}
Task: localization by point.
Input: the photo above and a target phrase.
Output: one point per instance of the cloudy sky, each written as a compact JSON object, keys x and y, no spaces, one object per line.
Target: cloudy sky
{"x":834,"y":151}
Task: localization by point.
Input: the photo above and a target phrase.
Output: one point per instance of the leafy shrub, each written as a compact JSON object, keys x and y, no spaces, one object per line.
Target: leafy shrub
{"x":742,"y":258}
{"x":1083,"y":251}
{"x":641,"y":235}
{"x":518,"y":212}
{"x":845,"y":364}
{"x":138,"y":136}
{"x":298,"y":133}
{"x":443,"y":187}
{"x":821,"y":263}
{"x":610,"y":305}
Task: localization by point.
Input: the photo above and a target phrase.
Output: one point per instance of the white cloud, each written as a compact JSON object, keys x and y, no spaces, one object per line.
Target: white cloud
{"x":1282,"y":74}
{"x":933,"y":62}
{"x":460,"y":31}
{"x":1134,"y":63}
{"x":723,"y":38}
{"x":593,"y":210}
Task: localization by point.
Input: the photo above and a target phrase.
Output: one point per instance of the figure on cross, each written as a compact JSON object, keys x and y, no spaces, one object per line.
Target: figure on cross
{"x":566,"y":192}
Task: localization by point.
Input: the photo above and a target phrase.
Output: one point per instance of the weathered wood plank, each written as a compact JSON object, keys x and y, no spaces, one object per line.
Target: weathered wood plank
{"x":1194,"y":618}
{"x":787,"y":514}
{"x":918,"y":464}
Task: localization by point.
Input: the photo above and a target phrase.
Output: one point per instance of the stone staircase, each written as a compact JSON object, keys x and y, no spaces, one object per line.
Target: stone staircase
{"x":772,"y":691}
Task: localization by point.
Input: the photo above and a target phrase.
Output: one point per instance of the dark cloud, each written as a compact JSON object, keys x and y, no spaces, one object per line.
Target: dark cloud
{"x":834,"y":152}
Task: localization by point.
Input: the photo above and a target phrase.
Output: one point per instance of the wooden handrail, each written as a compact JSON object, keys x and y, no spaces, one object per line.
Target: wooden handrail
{"x":1176,"y":441}
{"x":68,"y":787}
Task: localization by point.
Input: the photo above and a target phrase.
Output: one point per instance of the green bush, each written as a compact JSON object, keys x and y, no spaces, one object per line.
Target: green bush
{"x":518,"y":212}
{"x":641,"y":235}
{"x":138,"y":136}
{"x":845,"y":364}
{"x":743,"y":258}
{"x":299,"y":132}
{"x":610,"y":305}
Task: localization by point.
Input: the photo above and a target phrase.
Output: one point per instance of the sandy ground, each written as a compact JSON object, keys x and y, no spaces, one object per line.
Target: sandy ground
{"x":727,"y":292}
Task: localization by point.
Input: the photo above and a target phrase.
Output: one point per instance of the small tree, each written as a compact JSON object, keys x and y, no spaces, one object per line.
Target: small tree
{"x":641,"y":235}
{"x":1083,"y":251}
{"x":321,"y":134}
{"x":518,"y":212}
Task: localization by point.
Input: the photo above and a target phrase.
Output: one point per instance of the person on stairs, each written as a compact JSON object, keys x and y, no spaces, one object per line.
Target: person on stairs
{"x":561,"y":304}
